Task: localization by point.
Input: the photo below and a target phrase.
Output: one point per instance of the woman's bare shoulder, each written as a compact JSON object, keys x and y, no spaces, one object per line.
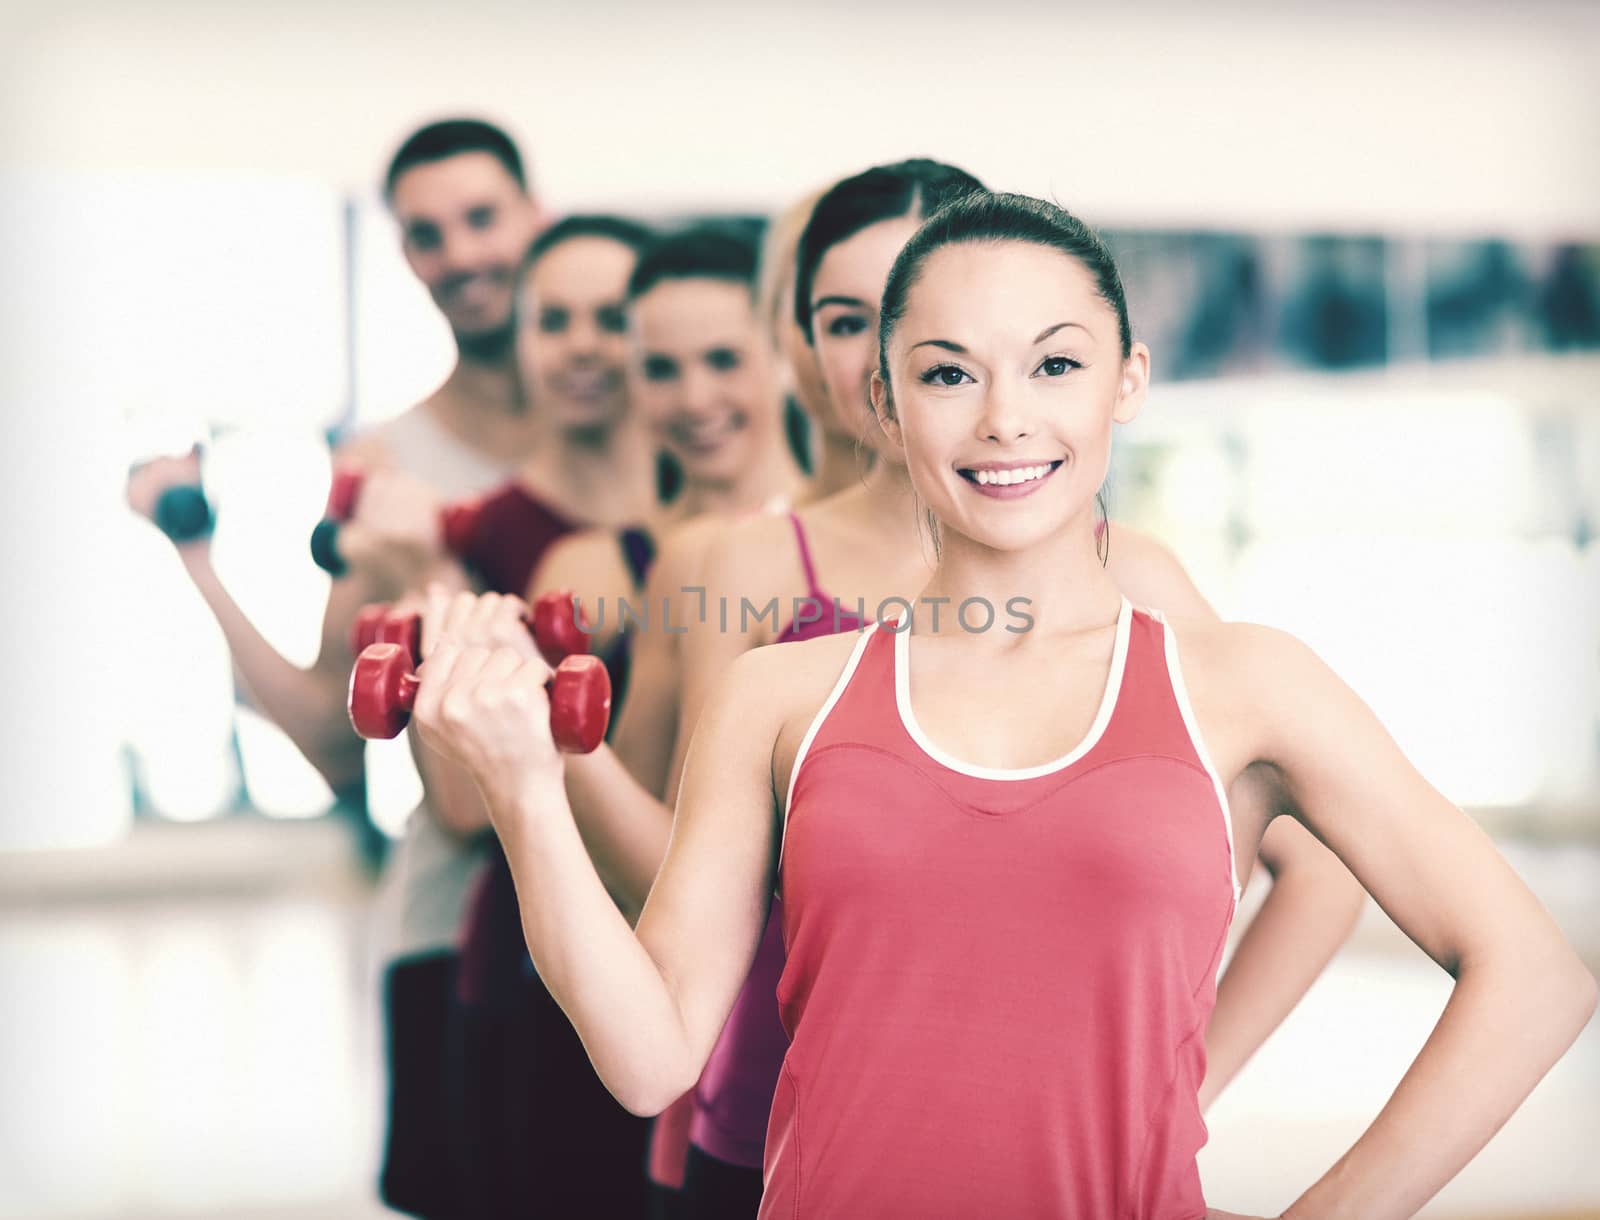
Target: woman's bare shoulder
{"x":743,"y":530}
{"x":1252,"y":652}
{"x":683,"y":547}
{"x":742,"y":553}
{"x":1151,"y":575}
{"x":589,"y":561}
{"x":794,"y":677}
{"x":1261,"y":682}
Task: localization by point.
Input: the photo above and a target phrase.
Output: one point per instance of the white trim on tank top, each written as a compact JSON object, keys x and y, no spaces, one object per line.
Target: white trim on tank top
{"x":1186,"y":710}
{"x":1108,"y":704}
{"x":811,"y":733}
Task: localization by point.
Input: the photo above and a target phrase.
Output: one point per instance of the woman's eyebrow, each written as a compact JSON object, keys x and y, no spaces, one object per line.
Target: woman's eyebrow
{"x":1050,"y":330}
{"x":1044,"y":334}
{"x":848,"y":302}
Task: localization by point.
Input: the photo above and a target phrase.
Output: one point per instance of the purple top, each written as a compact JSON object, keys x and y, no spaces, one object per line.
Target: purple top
{"x":639,"y":553}
{"x":734,"y":1096}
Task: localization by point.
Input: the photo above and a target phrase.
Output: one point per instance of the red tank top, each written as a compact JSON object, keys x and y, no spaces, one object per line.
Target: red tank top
{"x":734,"y":1095}
{"x":513,"y":531}
{"x":551,"y":1108}
{"x":998,"y":981}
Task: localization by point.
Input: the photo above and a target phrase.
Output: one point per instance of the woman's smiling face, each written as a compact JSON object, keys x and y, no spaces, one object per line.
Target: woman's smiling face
{"x":572,"y":341}
{"x":845,"y":294}
{"x":1007,"y":375}
{"x":704,"y":374}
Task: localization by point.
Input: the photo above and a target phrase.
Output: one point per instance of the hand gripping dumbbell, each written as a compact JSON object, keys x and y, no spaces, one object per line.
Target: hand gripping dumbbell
{"x":457,"y":522}
{"x":184,"y":514}
{"x":383,"y":685}
{"x":556,"y":622}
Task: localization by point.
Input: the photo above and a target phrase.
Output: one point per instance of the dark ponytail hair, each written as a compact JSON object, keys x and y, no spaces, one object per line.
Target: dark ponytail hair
{"x":918,"y":187}
{"x":991,"y":217}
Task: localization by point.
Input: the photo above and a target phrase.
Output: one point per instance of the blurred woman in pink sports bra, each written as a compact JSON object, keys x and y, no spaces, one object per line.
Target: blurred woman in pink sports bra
{"x":705,"y":389}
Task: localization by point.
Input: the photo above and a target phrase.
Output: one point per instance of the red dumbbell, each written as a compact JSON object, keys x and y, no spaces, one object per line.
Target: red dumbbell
{"x":556,"y":623}
{"x":383,"y":685}
{"x":342,"y":493}
{"x":458,"y":523}
{"x":368,"y":622}
{"x":383,"y":690}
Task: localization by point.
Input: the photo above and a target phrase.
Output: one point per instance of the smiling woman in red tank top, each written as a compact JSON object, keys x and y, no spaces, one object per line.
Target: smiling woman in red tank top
{"x":837,"y":561}
{"x":1007,"y":858}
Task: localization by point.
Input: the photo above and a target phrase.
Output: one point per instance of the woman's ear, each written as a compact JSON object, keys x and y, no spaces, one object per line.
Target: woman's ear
{"x":1135,"y":383}
{"x":883,"y":408}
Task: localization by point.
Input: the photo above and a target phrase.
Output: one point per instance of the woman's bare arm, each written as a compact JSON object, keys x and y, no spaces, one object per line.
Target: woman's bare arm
{"x":590,"y":564}
{"x":1308,"y":914}
{"x":1521,"y":995}
{"x":308,"y":704}
{"x":616,"y":792}
{"x":650,"y":1004}
{"x":743,"y":569}
{"x":646,"y":734}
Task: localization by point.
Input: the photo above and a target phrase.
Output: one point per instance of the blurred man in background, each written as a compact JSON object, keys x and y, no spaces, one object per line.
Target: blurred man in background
{"x":459,"y":193}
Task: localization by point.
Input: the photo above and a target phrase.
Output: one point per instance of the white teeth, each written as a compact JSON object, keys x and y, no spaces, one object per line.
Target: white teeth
{"x":1006,"y":478}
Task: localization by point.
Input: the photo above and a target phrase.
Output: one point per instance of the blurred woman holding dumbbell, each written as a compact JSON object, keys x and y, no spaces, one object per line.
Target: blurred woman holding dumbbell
{"x":703,"y":385}
{"x":537,"y":1134}
{"x":704,"y":352}
{"x":704,"y":390}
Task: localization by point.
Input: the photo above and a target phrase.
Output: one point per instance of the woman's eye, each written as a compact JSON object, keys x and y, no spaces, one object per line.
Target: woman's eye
{"x":553,"y":321}
{"x":945,"y":374}
{"x":1057,"y":366}
{"x":846,"y":325}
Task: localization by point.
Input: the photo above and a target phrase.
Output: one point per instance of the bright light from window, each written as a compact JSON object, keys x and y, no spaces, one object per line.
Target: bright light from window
{"x":403,"y":346}
{"x":394,"y":788}
{"x":1458,"y":465}
{"x":65,"y":1067}
{"x":1466,"y":650}
{"x":269,"y":488}
{"x":189,"y":1020}
{"x":277,"y":777}
{"x":299,"y":1104}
